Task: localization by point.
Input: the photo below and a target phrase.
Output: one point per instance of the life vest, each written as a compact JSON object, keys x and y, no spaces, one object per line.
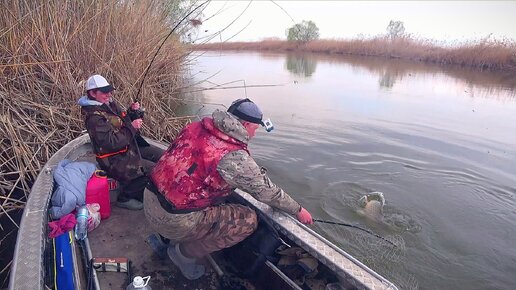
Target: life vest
{"x":187,"y":173}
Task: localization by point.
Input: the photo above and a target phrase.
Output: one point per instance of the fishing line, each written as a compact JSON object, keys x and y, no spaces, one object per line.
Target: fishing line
{"x":161,"y":45}
{"x":245,"y":89}
{"x":154,"y":57}
{"x":356,"y":227}
{"x":284,"y":11}
{"x":293,"y":21}
{"x":378,"y":254}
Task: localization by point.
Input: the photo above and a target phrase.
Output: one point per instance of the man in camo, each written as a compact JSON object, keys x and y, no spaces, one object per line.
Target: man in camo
{"x":184,"y":198}
{"x":116,"y":141}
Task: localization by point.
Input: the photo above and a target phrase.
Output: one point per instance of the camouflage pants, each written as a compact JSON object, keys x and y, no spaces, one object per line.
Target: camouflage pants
{"x":201,"y":232}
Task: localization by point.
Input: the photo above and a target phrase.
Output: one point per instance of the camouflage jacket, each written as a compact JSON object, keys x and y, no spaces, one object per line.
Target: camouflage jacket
{"x":110,"y":132}
{"x":240,"y":170}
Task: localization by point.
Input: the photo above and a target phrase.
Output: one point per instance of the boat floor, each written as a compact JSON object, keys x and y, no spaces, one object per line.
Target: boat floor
{"x":123,"y":234}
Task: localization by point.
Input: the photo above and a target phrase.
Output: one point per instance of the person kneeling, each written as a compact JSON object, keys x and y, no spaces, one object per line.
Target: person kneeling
{"x":184,"y":199}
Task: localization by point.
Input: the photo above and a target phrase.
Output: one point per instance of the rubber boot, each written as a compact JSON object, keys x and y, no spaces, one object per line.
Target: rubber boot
{"x":131,"y":204}
{"x":158,"y":244}
{"x":188,"y":267}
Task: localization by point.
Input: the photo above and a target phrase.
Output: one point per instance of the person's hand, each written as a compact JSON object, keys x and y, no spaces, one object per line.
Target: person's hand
{"x":305,"y":217}
{"x":135,"y":106}
{"x":137,"y":124}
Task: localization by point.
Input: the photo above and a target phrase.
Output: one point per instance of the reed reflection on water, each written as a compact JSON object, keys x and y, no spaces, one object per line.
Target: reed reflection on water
{"x":437,"y":141}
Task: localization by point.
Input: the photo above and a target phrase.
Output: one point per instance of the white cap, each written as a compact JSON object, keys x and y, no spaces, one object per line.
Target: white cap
{"x":98,"y":82}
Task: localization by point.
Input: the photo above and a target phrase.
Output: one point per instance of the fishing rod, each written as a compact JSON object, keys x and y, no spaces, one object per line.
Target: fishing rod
{"x":356,"y":227}
{"x":161,"y":45}
{"x":140,"y":112}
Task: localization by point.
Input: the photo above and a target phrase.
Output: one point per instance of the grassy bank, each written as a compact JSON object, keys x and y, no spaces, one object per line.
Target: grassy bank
{"x":47,"y":51}
{"x":482,"y":55}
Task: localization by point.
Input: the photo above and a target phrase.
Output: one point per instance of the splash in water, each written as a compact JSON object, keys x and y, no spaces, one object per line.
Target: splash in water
{"x":372,"y":205}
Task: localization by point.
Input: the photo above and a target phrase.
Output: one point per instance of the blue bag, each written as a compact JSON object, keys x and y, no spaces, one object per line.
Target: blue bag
{"x":63,"y":262}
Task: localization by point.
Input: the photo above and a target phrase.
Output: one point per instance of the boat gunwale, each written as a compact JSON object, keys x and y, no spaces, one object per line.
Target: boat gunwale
{"x":348,"y":268}
{"x":27,"y":271}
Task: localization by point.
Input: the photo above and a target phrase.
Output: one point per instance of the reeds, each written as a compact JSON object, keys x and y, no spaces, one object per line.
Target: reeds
{"x":485,"y":54}
{"x":48,"y":48}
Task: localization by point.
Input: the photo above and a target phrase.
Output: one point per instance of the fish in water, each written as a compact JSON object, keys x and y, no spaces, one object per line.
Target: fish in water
{"x":372,"y":204}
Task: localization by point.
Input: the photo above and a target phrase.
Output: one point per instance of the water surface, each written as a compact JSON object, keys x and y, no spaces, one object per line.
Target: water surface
{"x":439,"y":143}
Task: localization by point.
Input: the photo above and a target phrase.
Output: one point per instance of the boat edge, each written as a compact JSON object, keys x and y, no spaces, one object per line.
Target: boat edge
{"x":27,"y":268}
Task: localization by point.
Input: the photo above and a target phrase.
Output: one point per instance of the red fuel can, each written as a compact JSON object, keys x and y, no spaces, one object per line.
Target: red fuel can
{"x":97,"y":191}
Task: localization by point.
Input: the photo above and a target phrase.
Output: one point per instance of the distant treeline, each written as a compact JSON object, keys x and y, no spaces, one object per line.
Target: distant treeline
{"x":483,"y":55}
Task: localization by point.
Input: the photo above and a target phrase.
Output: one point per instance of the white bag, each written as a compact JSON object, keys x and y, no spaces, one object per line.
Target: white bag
{"x":94,"y":217}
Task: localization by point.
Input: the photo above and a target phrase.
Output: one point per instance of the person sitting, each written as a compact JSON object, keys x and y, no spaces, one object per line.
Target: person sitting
{"x":183,"y":201}
{"x":117,"y":144}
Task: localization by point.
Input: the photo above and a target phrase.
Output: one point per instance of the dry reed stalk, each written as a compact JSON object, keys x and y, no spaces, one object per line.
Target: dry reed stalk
{"x":47,"y":48}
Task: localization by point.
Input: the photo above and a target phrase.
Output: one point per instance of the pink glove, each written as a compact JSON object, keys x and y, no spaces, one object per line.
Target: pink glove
{"x":305,"y":217}
{"x":137,"y":124}
{"x":135,"y":106}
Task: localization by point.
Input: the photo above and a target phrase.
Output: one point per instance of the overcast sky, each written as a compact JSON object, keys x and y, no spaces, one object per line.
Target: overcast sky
{"x":438,"y":20}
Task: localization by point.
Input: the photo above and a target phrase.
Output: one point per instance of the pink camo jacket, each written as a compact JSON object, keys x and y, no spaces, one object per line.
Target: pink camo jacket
{"x":187,"y":172}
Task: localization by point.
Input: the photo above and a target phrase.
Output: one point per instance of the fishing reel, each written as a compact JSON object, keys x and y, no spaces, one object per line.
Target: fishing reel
{"x":136,"y":114}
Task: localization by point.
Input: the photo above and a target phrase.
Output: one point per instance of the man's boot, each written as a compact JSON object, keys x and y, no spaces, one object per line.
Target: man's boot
{"x":131,"y":204}
{"x":188,"y":267}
